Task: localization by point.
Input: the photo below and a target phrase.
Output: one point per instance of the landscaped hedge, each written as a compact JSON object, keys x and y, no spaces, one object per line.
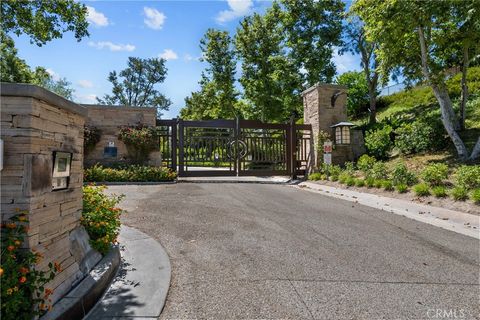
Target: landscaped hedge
{"x":130,"y":173}
{"x":433,"y":178}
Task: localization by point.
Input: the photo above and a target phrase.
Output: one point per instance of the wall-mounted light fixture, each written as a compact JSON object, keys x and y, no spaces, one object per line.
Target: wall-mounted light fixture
{"x":335,"y":96}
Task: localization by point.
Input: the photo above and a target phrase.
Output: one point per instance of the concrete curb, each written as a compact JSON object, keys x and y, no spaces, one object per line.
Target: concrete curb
{"x":235,"y":179}
{"x":139,"y":290}
{"x":456,"y":221}
{"x":140,"y":183}
{"x":83,"y":297}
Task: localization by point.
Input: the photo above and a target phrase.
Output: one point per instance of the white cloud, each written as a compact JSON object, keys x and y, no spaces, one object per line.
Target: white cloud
{"x":97,"y":18}
{"x":168,"y":54}
{"x":111,"y":46}
{"x":153,"y":18}
{"x":55,"y":76}
{"x":346,"y":62}
{"x":86,"y":98}
{"x":238,"y":8}
{"x":85,"y":84}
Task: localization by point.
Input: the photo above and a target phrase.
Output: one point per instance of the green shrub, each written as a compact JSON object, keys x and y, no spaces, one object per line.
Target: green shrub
{"x":131,"y":173}
{"x":459,"y":193}
{"x":468,"y":176}
{"x":140,"y":142}
{"x":421,"y":189}
{"x":370,"y":182}
{"x":378,"y":184}
{"x":315,"y":176}
{"x":101,"y":217}
{"x":359,"y":182}
{"x":401,"y":175}
{"x":365,"y":163}
{"x":350,"y":181}
{"x":378,"y":142}
{"x":475,"y":196}
{"x":378,"y":171}
{"x":415,"y":137}
{"x":342,"y":178}
{"x":349,"y":167}
{"x":435,"y":174}
{"x":401,"y":188}
{"x":387,"y":185}
{"x":333,"y":172}
{"x":439,"y":191}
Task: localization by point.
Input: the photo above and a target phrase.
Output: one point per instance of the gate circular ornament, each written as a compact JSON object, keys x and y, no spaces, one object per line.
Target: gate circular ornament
{"x":242,"y":149}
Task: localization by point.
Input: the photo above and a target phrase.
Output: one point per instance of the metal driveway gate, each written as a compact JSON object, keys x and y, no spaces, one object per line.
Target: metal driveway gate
{"x":235,"y":147}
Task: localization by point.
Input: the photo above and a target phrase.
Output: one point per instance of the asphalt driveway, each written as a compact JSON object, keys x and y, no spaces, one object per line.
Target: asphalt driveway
{"x":256,"y":251}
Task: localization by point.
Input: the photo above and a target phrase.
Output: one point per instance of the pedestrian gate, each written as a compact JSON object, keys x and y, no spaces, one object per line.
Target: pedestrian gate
{"x":235,"y":147}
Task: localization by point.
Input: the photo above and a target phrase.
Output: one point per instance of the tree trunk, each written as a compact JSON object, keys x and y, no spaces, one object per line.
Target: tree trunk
{"x":464,"y":88}
{"x":372,"y":92}
{"x":445,"y":105}
{"x":476,"y":151}
{"x":450,"y":122}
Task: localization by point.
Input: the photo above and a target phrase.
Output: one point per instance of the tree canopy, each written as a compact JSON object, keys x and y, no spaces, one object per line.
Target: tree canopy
{"x":15,"y":69}
{"x":44,"y":20}
{"x":357,"y":93}
{"x":313,"y":30}
{"x":270,"y":79}
{"x":425,"y":39}
{"x":135,"y":85}
{"x":217,"y":96}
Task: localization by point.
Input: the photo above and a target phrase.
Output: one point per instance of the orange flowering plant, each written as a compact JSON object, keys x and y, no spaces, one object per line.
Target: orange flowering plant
{"x":101,"y":217}
{"x":24,"y":294}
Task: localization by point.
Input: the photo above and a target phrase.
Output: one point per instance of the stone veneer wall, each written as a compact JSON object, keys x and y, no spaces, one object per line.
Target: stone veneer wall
{"x":34,"y":124}
{"x":109,"y":119}
{"x":318,"y":112}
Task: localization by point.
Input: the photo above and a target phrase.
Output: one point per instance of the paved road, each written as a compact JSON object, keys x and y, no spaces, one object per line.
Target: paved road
{"x":273,"y":251}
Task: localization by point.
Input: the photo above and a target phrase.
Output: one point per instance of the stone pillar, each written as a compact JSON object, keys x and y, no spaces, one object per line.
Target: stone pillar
{"x":35,"y":123}
{"x":318,"y":111}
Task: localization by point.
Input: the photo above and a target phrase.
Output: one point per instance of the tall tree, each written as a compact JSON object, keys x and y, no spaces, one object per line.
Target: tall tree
{"x":217,"y":96}
{"x":423,"y":39}
{"x":204,"y":104}
{"x":357,"y":43}
{"x":14,"y":69}
{"x":358,"y":97}
{"x":60,"y":86}
{"x":44,"y":20}
{"x":270,"y":78}
{"x":135,"y":85}
{"x":313,"y":30}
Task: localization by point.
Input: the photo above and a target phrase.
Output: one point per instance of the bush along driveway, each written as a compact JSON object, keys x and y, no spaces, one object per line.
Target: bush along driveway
{"x":273,"y":251}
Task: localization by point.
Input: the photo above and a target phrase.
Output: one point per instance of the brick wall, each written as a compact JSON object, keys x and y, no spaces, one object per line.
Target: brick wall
{"x":109,"y":119}
{"x":34,"y":124}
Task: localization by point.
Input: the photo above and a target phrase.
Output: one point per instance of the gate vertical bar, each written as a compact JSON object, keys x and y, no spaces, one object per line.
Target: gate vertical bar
{"x":236,"y":130}
{"x":181,"y":165}
{"x":293,"y":148}
{"x":174,"y":145}
{"x":289,"y":150}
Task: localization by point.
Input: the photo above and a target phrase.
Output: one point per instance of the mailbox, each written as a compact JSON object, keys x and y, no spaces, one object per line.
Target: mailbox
{"x":61,"y":170}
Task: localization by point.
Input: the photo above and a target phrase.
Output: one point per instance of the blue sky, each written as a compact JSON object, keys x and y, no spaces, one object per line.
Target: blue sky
{"x":119,"y":29}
